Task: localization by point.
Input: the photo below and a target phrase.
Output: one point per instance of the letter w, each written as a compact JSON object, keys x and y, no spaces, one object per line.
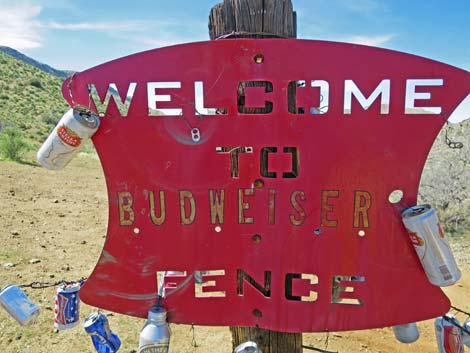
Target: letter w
{"x":122,"y":104}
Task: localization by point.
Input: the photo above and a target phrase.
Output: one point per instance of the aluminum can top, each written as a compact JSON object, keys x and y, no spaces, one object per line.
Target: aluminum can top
{"x":247,"y":347}
{"x":420,"y":210}
{"x":157,"y":314}
{"x":86,"y":117}
{"x":92,"y":319}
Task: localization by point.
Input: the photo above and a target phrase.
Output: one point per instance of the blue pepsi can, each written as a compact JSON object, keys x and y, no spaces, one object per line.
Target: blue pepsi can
{"x":104,"y":340}
{"x":67,"y":305}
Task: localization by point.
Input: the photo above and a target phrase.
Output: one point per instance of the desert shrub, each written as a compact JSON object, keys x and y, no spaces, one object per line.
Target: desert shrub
{"x":35,"y":83}
{"x":50,"y":119}
{"x":12,"y":144}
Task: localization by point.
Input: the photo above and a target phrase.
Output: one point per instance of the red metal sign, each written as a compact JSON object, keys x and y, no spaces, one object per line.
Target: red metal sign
{"x":261,"y":171}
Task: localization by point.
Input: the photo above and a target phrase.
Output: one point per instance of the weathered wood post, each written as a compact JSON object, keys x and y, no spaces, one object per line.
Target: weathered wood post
{"x":257,"y":19}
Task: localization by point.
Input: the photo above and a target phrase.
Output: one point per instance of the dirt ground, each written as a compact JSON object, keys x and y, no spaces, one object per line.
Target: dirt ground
{"x":58,"y":220}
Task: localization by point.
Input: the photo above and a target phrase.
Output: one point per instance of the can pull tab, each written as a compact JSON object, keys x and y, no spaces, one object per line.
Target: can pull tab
{"x":195,"y":134}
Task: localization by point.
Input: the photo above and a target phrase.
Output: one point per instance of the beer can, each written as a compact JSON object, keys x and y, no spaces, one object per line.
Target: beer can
{"x":431,"y":245}
{"x":466,"y":333}
{"x":18,"y":305}
{"x":104,"y":340}
{"x":155,"y":335}
{"x":67,"y":305}
{"x":407,"y":333}
{"x":448,"y":335}
{"x":247,"y":347}
{"x":73,"y":130}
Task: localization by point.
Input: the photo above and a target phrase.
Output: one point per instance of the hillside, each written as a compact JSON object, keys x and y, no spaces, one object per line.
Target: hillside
{"x":44,"y":67}
{"x":29,"y":98}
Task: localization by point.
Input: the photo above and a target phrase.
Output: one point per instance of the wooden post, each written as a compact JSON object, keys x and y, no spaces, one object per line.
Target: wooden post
{"x":258,"y":19}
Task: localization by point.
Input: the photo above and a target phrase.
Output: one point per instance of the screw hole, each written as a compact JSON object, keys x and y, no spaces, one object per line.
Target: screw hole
{"x":259,"y":58}
{"x":395,"y":196}
{"x":259,"y":183}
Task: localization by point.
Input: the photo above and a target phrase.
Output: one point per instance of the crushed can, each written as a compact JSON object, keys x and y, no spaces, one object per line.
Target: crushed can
{"x":67,"y":306}
{"x":407,"y":333}
{"x":18,"y":305}
{"x":104,"y":340}
{"x":431,"y":245}
{"x":65,"y":141}
{"x":448,"y":335}
{"x":247,"y":347}
{"x":466,"y":333}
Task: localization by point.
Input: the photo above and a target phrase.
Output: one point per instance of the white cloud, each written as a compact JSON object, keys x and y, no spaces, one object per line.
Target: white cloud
{"x":117,"y":26}
{"x":18,"y":27}
{"x":373,"y":41}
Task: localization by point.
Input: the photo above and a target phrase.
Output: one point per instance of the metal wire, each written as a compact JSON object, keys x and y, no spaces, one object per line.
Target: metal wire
{"x":452,"y":321}
{"x":452,"y":144}
{"x":311,"y":348}
{"x":235,"y":34}
{"x":193,"y":341}
{"x":43,"y":285}
{"x":460,"y":310}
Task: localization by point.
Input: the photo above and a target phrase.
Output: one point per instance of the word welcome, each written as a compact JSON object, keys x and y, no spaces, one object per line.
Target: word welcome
{"x":161,"y":97}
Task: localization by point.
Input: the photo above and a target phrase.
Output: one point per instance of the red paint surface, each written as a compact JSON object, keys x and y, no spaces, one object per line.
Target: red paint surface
{"x":361,"y":151}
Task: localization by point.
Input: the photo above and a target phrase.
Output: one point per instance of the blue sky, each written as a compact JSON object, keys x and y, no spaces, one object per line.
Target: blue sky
{"x":79,"y":34}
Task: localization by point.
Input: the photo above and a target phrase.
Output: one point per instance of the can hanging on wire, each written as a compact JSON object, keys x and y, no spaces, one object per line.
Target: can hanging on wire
{"x":67,"y":306}
{"x":448,"y":335}
{"x":18,"y":305}
{"x":431,"y":245}
{"x":103,"y":339}
{"x":72,"y":131}
{"x":466,"y":333}
{"x":407,"y":333}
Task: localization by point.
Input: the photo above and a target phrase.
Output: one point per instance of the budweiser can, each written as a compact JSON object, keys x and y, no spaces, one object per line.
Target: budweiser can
{"x":104,"y":340}
{"x":406,"y":333}
{"x":155,"y":336}
{"x":431,"y":245}
{"x":73,"y":130}
{"x":448,"y":335}
{"x":466,"y":333}
{"x":67,"y":304}
{"x":247,"y":347}
{"x":18,"y":305}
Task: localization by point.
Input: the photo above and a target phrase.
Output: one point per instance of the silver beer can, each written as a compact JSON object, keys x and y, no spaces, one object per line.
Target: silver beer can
{"x":155,"y":335}
{"x":466,"y":333}
{"x":65,"y":141}
{"x":408,"y":333}
{"x":18,"y":305}
{"x":448,"y":335}
{"x":431,"y":245}
{"x":247,"y":347}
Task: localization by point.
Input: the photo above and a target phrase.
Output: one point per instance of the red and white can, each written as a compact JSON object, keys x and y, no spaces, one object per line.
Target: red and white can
{"x":448,"y":335}
{"x":431,"y":245}
{"x":67,"y":306}
{"x":73,"y":130}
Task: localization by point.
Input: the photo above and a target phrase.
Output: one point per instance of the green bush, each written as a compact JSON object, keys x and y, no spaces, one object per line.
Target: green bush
{"x":12,"y":144}
{"x":35,"y":83}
